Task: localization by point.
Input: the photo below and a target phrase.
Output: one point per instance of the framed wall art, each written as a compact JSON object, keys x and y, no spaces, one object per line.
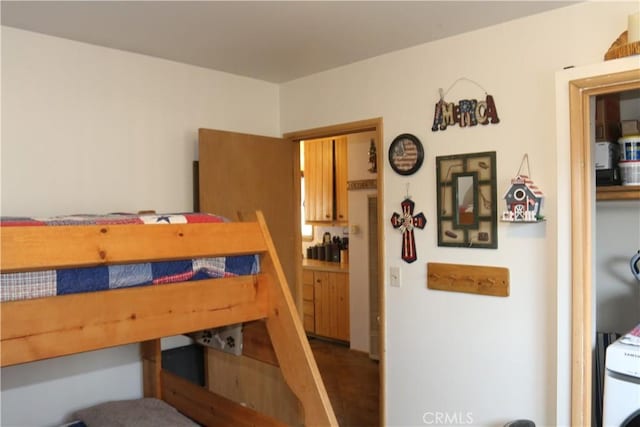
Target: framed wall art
{"x":406,"y":154}
{"x":467,"y":209}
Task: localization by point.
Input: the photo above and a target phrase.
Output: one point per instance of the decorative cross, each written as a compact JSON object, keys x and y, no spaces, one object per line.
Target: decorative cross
{"x":406,"y":223}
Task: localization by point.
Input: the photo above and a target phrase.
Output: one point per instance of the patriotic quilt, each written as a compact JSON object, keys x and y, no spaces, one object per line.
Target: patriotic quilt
{"x":37,"y":284}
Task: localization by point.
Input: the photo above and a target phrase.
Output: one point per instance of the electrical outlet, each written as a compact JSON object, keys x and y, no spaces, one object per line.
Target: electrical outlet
{"x":394,"y":276}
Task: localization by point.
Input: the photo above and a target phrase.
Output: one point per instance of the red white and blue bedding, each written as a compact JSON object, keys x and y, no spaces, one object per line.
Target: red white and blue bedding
{"x":37,"y":284}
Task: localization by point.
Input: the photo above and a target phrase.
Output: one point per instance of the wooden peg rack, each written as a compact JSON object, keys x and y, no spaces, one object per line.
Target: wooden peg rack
{"x":473,"y":279}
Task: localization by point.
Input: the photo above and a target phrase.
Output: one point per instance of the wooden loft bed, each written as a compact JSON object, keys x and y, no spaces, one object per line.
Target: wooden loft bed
{"x":42,"y":328}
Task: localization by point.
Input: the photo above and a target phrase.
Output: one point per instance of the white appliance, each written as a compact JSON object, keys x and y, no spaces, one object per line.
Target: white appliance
{"x":622,"y":382}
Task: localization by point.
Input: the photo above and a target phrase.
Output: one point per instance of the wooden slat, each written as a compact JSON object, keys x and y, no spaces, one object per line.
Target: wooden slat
{"x":37,"y":248}
{"x":474,"y":279}
{"x":290,"y":343}
{"x":55,"y":326}
{"x":208,"y":408}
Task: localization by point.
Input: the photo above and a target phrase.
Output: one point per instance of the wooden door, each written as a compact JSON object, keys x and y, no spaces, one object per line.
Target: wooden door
{"x":322,"y":303}
{"x":318,"y":180}
{"x":341,"y":158}
{"x":331,"y":300}
{"x":241,"y":173}
{"x":340,"y":286}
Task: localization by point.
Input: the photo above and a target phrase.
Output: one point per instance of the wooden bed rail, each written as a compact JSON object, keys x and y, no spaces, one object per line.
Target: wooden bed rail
{"x":56,"y":326}
{"x":50,"y":247}
{"x":49,"y":327}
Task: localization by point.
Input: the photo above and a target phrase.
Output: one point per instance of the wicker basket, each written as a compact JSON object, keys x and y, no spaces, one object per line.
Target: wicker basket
{"x":620,"y":48}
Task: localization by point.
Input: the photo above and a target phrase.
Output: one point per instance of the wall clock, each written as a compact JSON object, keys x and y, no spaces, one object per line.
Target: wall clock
{"x":406,"y":154}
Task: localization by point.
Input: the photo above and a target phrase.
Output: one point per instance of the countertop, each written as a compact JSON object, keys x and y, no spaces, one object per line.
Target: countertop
{"x":314,"y":264}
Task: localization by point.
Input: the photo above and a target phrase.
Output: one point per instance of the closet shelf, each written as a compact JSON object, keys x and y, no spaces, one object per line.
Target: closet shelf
{"x":618,"y":192}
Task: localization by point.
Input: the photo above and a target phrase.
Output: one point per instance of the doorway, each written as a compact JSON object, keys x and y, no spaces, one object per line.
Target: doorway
{"x":581,"y":93}
{"x":375,"y":126}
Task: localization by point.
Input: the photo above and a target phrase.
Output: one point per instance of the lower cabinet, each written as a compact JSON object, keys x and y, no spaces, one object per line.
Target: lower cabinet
{"x":326,"y":304}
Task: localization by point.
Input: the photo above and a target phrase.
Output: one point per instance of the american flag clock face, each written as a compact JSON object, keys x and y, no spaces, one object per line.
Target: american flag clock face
{"x":406,"y":154}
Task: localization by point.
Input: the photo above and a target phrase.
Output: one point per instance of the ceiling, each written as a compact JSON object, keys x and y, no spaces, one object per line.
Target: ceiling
{"x":275,"y":41}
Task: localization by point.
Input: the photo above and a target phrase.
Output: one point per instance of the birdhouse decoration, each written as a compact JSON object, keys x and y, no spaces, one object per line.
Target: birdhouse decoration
{"x":523,"y":199}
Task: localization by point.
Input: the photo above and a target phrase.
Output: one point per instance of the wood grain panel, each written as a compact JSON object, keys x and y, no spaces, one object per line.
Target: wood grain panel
{"x":256,"y":343}
{"x":473,"y":279}
{"x":258,"y":385}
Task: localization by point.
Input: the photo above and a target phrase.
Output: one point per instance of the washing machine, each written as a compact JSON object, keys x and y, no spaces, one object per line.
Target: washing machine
{"x":622,"y":382}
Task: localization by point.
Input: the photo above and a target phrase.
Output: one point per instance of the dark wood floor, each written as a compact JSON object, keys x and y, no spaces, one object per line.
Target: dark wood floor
{"x":352,"y":382}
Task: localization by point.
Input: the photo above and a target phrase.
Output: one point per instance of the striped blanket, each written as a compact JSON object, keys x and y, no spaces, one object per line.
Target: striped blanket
{"x":18,"y":286}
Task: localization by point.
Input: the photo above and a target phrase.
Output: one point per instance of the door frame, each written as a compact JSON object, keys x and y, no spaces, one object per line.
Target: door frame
{"x":367,"y":125}
{"x":582,"y":208}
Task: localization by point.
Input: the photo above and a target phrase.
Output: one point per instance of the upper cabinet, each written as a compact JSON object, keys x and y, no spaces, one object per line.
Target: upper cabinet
{"x":325,"y":180}
{"x":341,"y":167}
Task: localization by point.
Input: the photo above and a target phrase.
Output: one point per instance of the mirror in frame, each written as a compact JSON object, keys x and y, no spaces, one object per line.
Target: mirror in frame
{"x":467,"y":207}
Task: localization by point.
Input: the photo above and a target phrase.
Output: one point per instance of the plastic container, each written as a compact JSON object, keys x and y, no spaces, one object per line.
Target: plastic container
{"x":630,"y":172}
{"x":629,"y":147}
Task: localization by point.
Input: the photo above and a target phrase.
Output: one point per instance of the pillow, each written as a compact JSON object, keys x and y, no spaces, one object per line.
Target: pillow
{"x":146,"y":412}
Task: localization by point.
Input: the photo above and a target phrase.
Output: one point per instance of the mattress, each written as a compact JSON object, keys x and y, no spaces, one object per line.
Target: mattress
{"x":38,"y":284}
{"x":144,"y":412}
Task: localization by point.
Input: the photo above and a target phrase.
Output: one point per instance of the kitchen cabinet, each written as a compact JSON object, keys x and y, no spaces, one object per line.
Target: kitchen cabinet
{"x":325,"y":180}
{"x":341,"y":195}
{"x":326,"y":303}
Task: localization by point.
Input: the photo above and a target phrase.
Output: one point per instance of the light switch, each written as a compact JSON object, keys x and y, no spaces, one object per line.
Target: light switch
{"x":394,"y":276}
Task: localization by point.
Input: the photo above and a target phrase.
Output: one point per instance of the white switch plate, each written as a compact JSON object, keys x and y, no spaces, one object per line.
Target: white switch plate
{"x":394,"y":276}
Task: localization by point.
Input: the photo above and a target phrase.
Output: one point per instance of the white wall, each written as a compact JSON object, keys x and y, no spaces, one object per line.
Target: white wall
{"x":491,"y":358}
{"x":92,"y":130}
{"x":359,"y":242}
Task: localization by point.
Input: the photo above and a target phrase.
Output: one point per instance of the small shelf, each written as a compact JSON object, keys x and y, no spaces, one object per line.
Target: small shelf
{"x":618,"y":192}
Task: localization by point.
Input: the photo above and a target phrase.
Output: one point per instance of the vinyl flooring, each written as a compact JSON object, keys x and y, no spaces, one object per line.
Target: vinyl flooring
{"x":352,"y":382}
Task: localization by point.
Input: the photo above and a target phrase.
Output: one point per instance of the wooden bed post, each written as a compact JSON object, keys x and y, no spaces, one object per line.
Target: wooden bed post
{"x":151,"y":368}
{"x":290,"y":342}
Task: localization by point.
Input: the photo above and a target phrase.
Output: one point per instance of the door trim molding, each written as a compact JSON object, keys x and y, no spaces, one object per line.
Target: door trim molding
{"x":367,"y":125}
{"x":582,"y":204}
